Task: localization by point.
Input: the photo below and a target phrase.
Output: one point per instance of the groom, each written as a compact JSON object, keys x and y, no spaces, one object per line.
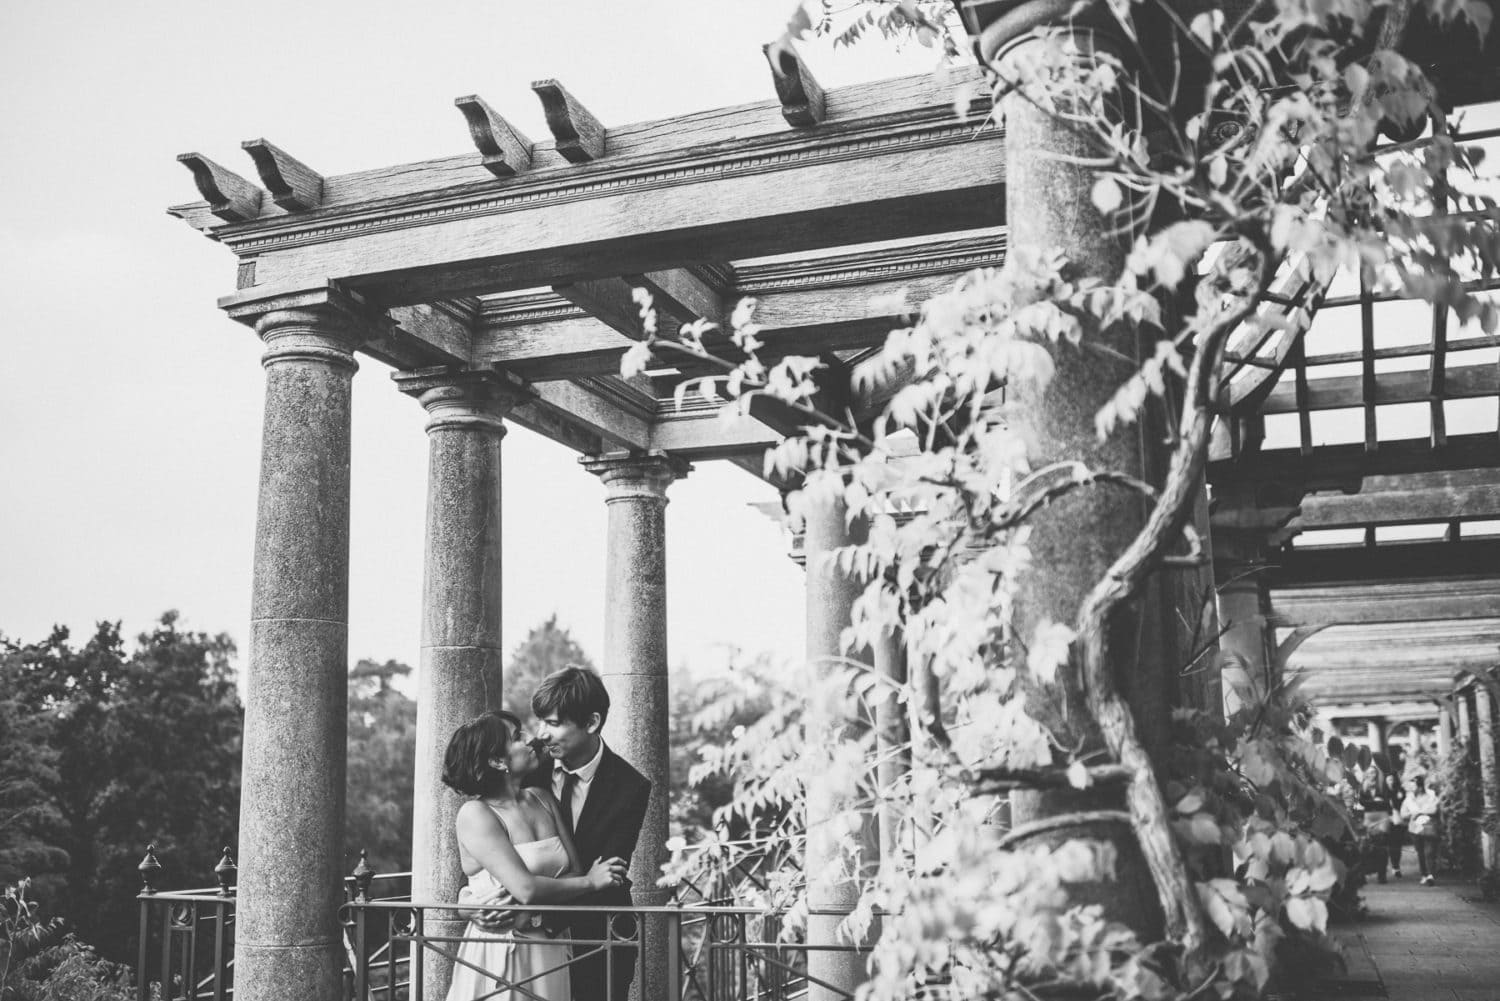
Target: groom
{"x":604,"y":798}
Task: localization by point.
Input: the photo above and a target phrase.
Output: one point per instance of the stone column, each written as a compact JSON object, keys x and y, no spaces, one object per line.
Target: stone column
{"x":635,"y":662}
{"x":459,"y":673}
{"x":1465,"y":717}
{"x":831,"y":886}
{"x":1375,"y":735}
{"x":1489,"y":770}
{"x":288,"y":943}
{"x":892,"y":736}
{"x":1049,"y":208}
{"x":1445,"y":731}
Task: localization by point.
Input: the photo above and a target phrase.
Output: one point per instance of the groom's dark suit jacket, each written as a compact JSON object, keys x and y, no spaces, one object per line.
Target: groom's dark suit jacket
{"x":608,"y":827}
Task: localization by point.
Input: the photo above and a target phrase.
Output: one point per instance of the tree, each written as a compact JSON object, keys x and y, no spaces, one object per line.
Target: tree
{"x":147,"y":749}
{"x":1233,"y":157}
{"x":707,"y":712}
{"x":29,"y":819}
{"x":382,"y":766}
{"x":547,"y":648}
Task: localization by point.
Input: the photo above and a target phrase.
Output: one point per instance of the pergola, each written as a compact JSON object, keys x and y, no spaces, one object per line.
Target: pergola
{"x":498,"y":284}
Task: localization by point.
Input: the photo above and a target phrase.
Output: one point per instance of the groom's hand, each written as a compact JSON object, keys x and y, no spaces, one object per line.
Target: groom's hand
{"x":495,"y":921}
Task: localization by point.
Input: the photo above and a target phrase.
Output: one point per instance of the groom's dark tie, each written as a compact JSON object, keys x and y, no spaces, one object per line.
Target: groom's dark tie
{"x":570,"y":783}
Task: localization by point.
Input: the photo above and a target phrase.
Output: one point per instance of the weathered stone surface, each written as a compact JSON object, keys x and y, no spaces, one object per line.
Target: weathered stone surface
{"x":460,"y":672}
{"x":296,"y":697}
{"x":302,"y":521}
{"x":830,"y":596}
{"x":635,"y":662}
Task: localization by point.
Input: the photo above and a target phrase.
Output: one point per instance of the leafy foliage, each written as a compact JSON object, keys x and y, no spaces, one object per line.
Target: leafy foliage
{"x":547,"y":647}
{"x":378,"y":799}
{"x":1232,"y":156}
{"x":146,"y":748}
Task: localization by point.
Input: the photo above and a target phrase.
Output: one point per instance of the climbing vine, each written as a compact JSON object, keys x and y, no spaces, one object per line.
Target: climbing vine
{"x":1245,"y":169}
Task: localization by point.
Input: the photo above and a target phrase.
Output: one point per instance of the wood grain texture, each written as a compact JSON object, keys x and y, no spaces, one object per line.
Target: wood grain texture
{"x":229,"y":196}
{"x":790,"y":206}
{"x":609,"y":300}
{"x":293,"y":185}
{"x":1407,"y":603}
{"x":579,"y":136}
{"x":886,"y":102}
{"x":803,"y":103}
{"x":503,"y":149}
{"x":1380,"y":389}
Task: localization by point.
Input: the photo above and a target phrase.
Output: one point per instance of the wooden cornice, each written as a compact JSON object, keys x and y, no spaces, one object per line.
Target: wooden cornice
{"x":445,"y":228}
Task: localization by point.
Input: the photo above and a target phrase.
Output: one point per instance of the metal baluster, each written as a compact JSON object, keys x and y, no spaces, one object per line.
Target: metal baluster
{"x":189,"y":956}
{"x":221,"y":933}
{"x":166,"y":953}
{"x":673,"y":929}
{"x":361,"y":956}
{"x":743,"y":967}
{"x":149,"y":869}
{"x":418,"y":955}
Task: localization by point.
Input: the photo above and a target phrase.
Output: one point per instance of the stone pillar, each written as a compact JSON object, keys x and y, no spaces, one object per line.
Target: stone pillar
{"x":635,"y":663}
{"x":831,"y":886}
{"x":1489,"y":770}
{"x":892,"y":736}
{"x":288,"y":941}
{"x":1465,"y":717}
{"x":1445,"y":732}
{"x":1375,"y":735}
{"x":459,"y":673}
{"x":1050,"y":209}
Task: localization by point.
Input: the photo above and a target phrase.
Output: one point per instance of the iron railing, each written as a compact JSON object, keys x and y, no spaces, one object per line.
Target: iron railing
{"x":186,"y":947}
{"x":708,"y":952}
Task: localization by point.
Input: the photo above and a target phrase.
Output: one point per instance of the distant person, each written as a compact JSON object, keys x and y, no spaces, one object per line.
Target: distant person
{"x":1377,"y":820}
{"x":512,"y":837}
{"x":1421,"y":813}
{"x":1395,"y":794}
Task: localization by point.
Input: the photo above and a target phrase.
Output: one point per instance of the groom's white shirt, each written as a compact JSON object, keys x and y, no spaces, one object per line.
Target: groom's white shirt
{"x":585,"y":777}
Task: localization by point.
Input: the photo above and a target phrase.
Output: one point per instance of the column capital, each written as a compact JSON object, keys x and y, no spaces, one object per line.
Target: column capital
{"x":638,"y":475}
{"x":325,"y":323}
{"x":463,"y":399}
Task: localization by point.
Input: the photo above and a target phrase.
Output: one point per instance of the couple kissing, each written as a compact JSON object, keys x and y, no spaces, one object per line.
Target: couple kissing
{"x":531,"y":833}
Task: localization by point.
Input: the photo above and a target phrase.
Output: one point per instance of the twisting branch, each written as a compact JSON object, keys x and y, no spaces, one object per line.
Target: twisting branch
{"x":1147,"y":805}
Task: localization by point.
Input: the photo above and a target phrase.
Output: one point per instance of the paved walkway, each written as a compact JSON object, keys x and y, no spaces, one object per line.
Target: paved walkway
{"x":1426,"y":943}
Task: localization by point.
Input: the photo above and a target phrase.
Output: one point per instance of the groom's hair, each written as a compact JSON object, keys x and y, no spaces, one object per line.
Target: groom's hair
{"x":466,"y":764}
{"x":573,"y":693}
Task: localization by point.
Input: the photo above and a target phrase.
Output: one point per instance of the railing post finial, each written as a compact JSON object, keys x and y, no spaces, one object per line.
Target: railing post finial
{"x":364,"y":875}
{"x":149,"y":869}
{"x":227,"y":873}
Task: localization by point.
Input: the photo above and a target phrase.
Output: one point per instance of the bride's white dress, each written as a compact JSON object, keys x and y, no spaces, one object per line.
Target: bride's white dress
{"x":538,"y":969}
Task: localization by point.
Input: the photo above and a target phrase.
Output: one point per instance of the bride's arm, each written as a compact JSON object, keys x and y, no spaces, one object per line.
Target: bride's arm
{"x":485,"y":838}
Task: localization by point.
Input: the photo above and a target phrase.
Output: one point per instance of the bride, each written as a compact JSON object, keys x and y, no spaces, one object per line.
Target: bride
{"x":511,"y":837}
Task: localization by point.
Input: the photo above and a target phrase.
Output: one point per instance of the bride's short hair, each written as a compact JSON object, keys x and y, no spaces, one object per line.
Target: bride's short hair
{"x":466,"y":763}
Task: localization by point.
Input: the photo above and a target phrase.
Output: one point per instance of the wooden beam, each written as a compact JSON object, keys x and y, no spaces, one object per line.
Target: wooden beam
{"x":1465,"y":382}
{"x":583,"y":408}
{"x":580,"y":137}
{"x":705,"y":434}
{"x":1407,"y":561}
{"x":293,"y":185}
{"x":1342,"y":467}
{"x":428,"y":232}
{"x":1430,"y":497}
{"x":437,"y":329}
{"x":1367,"y":384}
{"x":230,"y":197}
{"x":611,"y":301}
{"x":803,"y":103}
{"x":1405,"y":602}
{"x":503,"y":149}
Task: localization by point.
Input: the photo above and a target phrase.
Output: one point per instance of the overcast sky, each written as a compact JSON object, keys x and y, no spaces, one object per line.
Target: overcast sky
{"x":130,"y":408}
